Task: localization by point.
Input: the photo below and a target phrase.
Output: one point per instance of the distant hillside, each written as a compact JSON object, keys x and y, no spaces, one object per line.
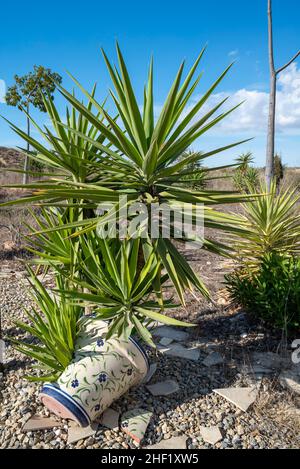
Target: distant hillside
{"x":9,"y":158}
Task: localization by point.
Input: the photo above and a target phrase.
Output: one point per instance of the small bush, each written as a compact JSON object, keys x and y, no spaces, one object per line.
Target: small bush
{"x":272,"y":293}
{"x":278,"y":170}
{"x":246,"y":180}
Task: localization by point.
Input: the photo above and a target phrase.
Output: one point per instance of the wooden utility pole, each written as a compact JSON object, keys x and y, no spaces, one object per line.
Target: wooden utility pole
{"x":272,"y":103}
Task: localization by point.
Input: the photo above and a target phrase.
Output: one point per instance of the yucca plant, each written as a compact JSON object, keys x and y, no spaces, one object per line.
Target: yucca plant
{"x":244,"y":160}
{"x":101,"y":158}
{"x":246,"y":180}
{"x":120,"y":290}
{"x":198,"y":177}
{"x":53,"y":326}
{"x":272,"y":226}
{"x":53,"y":247}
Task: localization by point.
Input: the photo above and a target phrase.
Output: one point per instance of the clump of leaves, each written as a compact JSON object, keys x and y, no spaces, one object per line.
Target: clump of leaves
{"x":197,"y":177}
{"x":272,"y":223}
{"x":246,"y":177}
{"x":278,"y":170}
{"x":53,"y":327}
{"x":271,"y":293}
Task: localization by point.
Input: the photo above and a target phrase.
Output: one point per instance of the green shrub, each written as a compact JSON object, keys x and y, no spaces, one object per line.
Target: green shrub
{"x":278,"y":170}
{"x":246,"y":181}
{"x":245,"y":178}
{"x":272,"y":293}
{"x":272,"y":225}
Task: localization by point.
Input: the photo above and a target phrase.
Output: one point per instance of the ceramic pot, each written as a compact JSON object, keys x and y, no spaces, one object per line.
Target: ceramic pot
{"x":102,"y":370}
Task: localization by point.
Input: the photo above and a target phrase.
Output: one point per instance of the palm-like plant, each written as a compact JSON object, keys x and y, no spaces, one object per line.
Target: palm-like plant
{"x":272,"y":226}
{"x":101,"y":158}
{"x":244,"y":160}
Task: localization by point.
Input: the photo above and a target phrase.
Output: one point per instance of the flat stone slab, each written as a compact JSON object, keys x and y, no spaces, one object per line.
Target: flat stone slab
{"x":135,"y":423}
{"x":177,"y":350}
{"x":76,"y":433}
{"x":110,"y":419}
{"x":177,"y":442}
{"x":270,"y":360}
{"x":290,"y":379}
{"x":211,"y":435}
{"x":256,"y":370}
{"x":38,"y":422}
{"x":170,"y":333}
{"x":151,"y":372}
{"x":214,"y":358}
{"x":163,"y":388}
{"x":165,"y":341}
{"x":242,"y":398}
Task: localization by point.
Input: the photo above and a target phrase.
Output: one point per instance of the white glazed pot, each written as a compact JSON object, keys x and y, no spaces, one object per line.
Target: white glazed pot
{"x":100,"y":373}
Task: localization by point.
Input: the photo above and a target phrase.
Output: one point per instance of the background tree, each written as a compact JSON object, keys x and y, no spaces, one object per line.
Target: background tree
{"x":244,"y":160}
{"x":272,"y":104}
{"x":29,"y":90}
{"x":245,"y":177}
{"x":197,"y":177}
{"x":278,"y":171}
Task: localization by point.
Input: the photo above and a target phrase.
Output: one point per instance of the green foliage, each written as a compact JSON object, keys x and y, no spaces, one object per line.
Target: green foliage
{"x":278,"y":170}
{"x":244,"y":160}
{"x":197,"y":178}
{"x":121,"y":287}
{"x":246,"y":181}
{"x":99,"y":157}
{"x":272,"y":225}
{"x":272,"y":293}
{"x":246,"y":177}
{"x":54,"y":323}
{"x":30,"y":88}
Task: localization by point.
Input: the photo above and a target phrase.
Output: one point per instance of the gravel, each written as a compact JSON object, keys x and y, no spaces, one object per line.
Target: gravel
{"x":179,"y":414}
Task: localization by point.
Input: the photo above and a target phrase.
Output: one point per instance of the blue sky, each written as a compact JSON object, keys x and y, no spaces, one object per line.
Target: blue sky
{"x":67,"y":35}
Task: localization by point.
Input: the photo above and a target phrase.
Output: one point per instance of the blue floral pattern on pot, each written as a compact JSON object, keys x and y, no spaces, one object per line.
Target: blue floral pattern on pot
{"x":102,"y":370}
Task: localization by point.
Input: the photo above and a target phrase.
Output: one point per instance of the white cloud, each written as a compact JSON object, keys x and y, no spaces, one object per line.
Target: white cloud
{"x":2,"y":91}
{"x":252,"y":116}
{"x":233,"y":53}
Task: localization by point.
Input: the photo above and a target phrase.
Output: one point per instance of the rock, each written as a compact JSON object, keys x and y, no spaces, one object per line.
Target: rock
{"x":270,"y":360}
{"x":212,"y":359}
{"x":177,"y":442}
{"x":242,"y":398}
{"x":170,"y":333}
{"x":37,"y":422}
{"x":290,"y":379}
{"x":211,"y":435}
{"x":240,"y":430}
{"x":255,"y":369}
{"x":9,"y":246}
{"x":165,"y":341}
{"x":135,"y":423}
{"x":163,"y":388}
{"x":110,"y":419}
{"x":76,"y":433}
{"x":177,"y":350}
{"x":151,"y":372}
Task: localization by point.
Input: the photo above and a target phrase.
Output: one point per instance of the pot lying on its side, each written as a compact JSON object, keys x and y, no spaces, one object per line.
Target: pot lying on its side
{"x":102,"y":370}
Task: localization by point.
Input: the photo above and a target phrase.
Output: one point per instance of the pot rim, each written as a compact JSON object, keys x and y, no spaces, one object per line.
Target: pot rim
{"x":54,"y":391}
